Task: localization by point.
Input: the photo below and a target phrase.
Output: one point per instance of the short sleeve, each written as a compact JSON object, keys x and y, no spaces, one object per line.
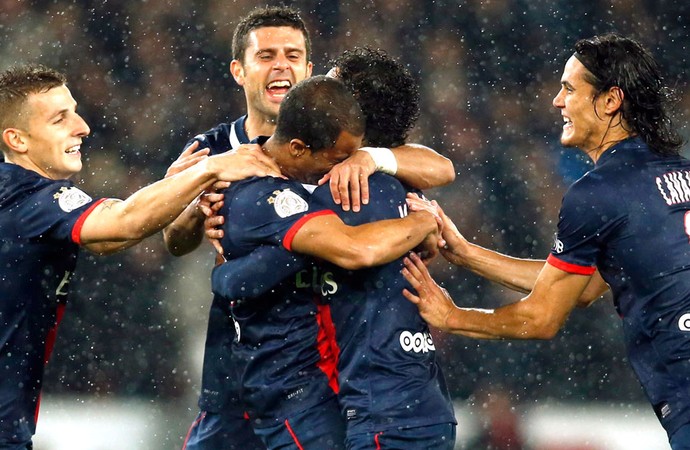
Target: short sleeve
{"x":589,"y":215}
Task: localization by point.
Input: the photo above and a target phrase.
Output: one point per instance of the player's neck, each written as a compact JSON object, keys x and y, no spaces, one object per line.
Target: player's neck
{"x":259,"y":125}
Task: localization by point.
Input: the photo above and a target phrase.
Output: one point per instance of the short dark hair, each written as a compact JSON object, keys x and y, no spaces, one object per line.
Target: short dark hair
{"x":267,"y":16}
{"x":614,"y":60}
{"x":316,"y":110}
{"x":386,"y":91}
{"x":17,"y":83}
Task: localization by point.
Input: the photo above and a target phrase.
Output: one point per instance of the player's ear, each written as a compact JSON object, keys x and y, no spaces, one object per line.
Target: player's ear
{"x":614,"y":100}
{"x":298,"y":148}
{"x":237,"y":71}
{"x":14,"y":139}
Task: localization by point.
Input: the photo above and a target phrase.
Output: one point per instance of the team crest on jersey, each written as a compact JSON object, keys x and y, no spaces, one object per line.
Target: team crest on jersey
{"x":71,"y":198}
{"x":287,"y":203}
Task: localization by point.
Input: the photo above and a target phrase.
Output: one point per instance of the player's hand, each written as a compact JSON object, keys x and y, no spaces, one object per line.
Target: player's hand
{"x":428,"y":249}
{"x":433,"y":302}
{"x":349,"y":180}
{"x":247,"y":161}
{"x":455,"y":247}
{"x":187,"y":158}
{"x":417,"y":203}
{"x":210,"y":203}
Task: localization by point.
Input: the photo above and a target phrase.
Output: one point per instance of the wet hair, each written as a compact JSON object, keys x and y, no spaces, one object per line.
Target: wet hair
{"x":316,"y":111}
{"x":386,"y":91}
{"x":16,"y":84}
{"x":614,"y":60}
{"x":267,"y":16}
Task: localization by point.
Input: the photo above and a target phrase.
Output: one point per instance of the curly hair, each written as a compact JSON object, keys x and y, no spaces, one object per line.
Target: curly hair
{"x":614,"y":60}
{"x":386,"y":91}
{"x":268,"y":16}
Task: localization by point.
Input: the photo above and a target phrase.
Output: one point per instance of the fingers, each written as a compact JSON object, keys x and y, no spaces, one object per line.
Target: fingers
{"x":409,"y":295}
{"x":219,"y":248}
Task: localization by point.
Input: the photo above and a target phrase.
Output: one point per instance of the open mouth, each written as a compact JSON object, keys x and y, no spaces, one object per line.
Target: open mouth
{"x":278,"y":89}
{"x":73,"y":150}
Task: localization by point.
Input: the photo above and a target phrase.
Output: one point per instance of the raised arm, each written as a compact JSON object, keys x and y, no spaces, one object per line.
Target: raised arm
{"x":117,"y":224}
{"x":415,"y":165}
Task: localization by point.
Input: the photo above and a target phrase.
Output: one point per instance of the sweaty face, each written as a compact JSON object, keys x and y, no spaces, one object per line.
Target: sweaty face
{"x":582,"y":127}
{"x":54,"y":133}
{"x":275,"y":60}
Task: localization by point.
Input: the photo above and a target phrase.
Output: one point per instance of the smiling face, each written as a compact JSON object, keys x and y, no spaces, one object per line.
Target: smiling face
{"x":275,"y":60}
{"x":584,"y":115}
{"x":51,"y":138}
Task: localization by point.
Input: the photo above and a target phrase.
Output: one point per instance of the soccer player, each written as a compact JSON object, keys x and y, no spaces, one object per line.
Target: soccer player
{"x":288,"y":384}
{"x":390,"y":388}
{"x":271,"y":52}
{"x":624,"y":224}
{"x":45,"y":219}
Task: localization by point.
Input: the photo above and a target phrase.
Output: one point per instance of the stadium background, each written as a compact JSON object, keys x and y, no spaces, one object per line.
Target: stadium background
{"x":150,"y":74}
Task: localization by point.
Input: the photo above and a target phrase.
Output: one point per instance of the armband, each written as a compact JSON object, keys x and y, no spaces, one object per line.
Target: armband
{"x":384,"y":159}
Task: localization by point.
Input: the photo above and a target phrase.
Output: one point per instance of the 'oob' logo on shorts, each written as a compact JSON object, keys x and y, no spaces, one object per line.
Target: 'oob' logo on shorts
{"x":417,"y":342}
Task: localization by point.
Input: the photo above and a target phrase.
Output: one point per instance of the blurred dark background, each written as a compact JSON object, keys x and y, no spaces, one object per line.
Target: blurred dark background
{"x":148,"y":75}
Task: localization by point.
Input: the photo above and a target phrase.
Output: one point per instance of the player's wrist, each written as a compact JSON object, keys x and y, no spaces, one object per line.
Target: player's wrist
{"x":384,"y":159}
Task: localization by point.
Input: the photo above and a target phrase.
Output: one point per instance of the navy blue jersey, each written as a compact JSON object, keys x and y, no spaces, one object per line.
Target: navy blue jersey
{"x":387,"y":368}
{"x":630,"y":218}
{"x":40,"y":226}
{"x":219,"y":385}
{"x":283,"y":355}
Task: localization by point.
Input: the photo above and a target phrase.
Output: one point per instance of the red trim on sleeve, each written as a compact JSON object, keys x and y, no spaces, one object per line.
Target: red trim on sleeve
{"x":570,"y":268}
{"x":290,"y":235}
{"x":76,"y":231}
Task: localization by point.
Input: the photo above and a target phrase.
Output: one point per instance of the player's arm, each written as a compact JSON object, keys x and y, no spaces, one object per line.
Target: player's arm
{"x":540,"y":315}
{"x":253,"y":275}
{"x":186,"y":232}
{"x":117,"y":224}
{"x":415,"y":165}
{"x":518,"y":274}
{"x":327,"y":237}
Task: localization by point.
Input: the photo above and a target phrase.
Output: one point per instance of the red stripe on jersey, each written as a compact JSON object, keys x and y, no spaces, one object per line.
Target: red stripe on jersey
{"x":290,"y":235}
{"x":327,"y":346}
{"x":194,"y":425}
{"x":50,"y":344}
{"x":570,"y":268}
{"x":76,"y":231}
{"x":294,"y":436}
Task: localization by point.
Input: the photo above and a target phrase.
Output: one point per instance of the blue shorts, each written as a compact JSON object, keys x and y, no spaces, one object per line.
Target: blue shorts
{"x":318,"y":428}
{"x":681,"y":438}
{"x":438,"y":437}
{"x":216,"y":431}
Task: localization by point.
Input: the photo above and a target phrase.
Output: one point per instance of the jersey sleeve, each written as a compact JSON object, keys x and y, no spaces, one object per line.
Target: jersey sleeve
{"x":589,"y":215}
{"x":252,"y":275}
{"x":262,"y":212}
{"x":57,"y":212}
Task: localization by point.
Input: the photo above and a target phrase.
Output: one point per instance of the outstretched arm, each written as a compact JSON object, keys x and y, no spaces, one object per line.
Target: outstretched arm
{"x":538,"y":316}
{"x":518,"y":274}
{"x":186,"y":232}
{"x":117,"y":224}
{"x":415,"y":165}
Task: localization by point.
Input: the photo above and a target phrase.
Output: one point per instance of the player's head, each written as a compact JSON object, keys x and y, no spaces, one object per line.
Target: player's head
{"x":626,"y":89}
{"x":271,"y":52}
{"x":386,"y":91}
{"x":319,"y":125}
{"x":41,"y":129}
